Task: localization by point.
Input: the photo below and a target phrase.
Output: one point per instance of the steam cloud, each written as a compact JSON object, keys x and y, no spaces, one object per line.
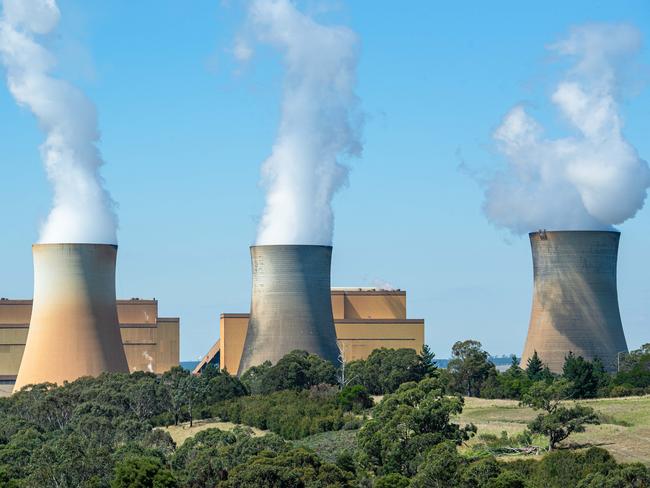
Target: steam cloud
{"x":82,"y":210}
{"x":591,"y":180}
{"x":319,"y":123}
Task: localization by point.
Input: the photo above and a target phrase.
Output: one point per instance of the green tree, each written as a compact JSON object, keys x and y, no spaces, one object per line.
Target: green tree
{"x":174,"y":382}
{"x":297,"y":468}
{"x":354,"y":398}
{"x":142,"y":472}
{"x":469,"y":367}
{"x":441,"y":468}
{"x":507,"y":479}
{"x":512,"y":383}
{"x":297,"y":370}
{"x":207,"y":458}
{"x":428,"y":359}
{"x":566,"y":468}
{"x":254,"y":378}
{"x":559,"y":421}
{"x":634,"y":475}
{"x":580,"y":372}
{"x":534,"y":367}
{"x":386,"y":369}
{"x":406,"y":424}
{"x":392,"y":480}
{"x":634,"y":370}
{"x":480,"y":473}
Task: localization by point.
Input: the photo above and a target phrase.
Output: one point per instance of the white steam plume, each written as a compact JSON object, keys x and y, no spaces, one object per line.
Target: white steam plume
{"x":320,"y":122}
{"x":83,"y":210}
{"x":591,"y":180}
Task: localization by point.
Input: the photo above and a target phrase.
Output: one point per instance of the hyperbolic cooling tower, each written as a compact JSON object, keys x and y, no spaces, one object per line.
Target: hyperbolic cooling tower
{"x":291,"y":306}
{"x":575,"y":302}
{"x":73,"y":330}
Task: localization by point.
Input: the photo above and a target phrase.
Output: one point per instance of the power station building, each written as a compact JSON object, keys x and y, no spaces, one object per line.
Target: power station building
{"x":365,"y":319}
{"x":151,"y":343}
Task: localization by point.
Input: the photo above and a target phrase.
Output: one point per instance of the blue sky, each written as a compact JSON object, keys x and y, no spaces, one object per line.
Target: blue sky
{"x":185,"y":128}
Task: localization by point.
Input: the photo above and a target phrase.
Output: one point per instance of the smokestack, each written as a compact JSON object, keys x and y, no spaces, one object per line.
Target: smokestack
{"x":291,"y":306}
{"x":73,"y":330}
{"x":575,"y":302}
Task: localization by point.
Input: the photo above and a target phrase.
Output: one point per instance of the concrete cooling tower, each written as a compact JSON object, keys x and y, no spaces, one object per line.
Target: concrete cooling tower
{"x":291,"y":306}
{"x":73,"y":330}
{"x":575,"y":302}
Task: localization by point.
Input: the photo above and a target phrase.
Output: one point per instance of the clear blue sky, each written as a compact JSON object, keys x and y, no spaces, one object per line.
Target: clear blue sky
{"x":185,"y":128}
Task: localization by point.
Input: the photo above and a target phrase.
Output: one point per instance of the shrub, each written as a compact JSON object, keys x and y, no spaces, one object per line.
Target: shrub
{"x":291,"y":414}
{"x":354,"y":398}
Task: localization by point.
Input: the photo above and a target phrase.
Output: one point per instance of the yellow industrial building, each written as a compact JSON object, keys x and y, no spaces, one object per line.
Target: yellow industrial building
{"x":151,"y":343}
{"x":365,"y":319}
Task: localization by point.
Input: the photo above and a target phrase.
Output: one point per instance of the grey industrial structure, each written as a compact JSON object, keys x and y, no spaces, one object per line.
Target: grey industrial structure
{"x":291,"y":305}
{"x":575,"y":301}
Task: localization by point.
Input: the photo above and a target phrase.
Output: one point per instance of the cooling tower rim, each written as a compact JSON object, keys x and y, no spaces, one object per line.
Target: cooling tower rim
{"x":71,"y":244}
{"x":537,"y":232}
{"x":261,"y":246}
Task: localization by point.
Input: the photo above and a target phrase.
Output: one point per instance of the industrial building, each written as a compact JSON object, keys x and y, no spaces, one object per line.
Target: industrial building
{"x":151,"y":343}
{"x":575,"y":301}
{"x":365,"y":319}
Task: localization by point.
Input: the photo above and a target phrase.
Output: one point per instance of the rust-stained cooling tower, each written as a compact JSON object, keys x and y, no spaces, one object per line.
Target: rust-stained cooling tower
{"x":575,"y":302}
{"x":73,"y":330}
{"x":291,"y":306}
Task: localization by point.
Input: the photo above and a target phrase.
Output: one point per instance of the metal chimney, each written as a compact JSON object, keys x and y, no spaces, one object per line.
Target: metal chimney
{"x":291,"y":306}
{"x":73,"y":330}
{"x":575,"y":302}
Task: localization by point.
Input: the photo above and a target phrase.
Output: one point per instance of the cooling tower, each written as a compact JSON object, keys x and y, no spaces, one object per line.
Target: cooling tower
{"x":73,"y":330}
{"x":575,"y":302}
{"x":291,"y":305}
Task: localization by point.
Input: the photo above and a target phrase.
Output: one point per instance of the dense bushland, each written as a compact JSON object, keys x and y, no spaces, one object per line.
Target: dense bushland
{"x":291,"y":414}
{"x":105,"y":431}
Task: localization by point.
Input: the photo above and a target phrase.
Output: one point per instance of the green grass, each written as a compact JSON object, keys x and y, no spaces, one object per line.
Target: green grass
{"x":624,"y":431}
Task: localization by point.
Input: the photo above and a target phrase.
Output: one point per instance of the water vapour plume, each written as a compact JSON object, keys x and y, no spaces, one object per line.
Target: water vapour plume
{"x":320,"y":123}
{"x":591,"y":180}
{"x":83,"y":210}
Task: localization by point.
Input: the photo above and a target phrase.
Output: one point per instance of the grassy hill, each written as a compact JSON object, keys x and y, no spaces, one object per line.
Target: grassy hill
{"x":624,"y":431}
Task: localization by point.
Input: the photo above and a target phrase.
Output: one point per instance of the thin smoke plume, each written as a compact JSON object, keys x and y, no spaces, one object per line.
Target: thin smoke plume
{"x":82,"y":210}
{"x":592,"y":179}
{"x":320,"y":123}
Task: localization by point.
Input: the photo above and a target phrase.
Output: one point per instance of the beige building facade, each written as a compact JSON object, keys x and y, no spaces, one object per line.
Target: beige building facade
{"x":364,"y":319}
{"x":151,"y":343}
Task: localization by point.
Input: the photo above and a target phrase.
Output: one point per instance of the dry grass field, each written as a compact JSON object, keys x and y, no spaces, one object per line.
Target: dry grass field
{"x":624,"y":431}
{"x":183,"y":431}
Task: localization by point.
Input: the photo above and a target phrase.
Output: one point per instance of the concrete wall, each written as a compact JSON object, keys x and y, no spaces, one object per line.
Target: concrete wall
{"x":233,"y":328}
{"x":366,"y":304}
{"x":143,"y":333}
{"x":358,"y":338}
